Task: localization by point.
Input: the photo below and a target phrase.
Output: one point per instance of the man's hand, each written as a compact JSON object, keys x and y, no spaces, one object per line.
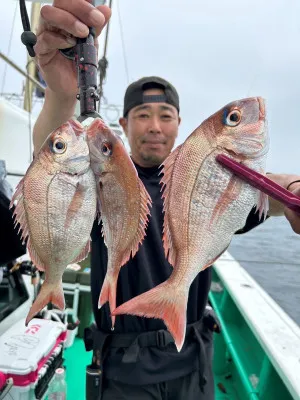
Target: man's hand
{"x":59,"y":25}
{"x":277,"y":208}
{"x":293,"y":217}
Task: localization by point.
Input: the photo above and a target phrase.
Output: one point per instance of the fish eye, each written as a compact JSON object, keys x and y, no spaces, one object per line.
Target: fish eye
{"x":59,"y":146}
{"x":233,"y":118}
{"x":106,"y":149}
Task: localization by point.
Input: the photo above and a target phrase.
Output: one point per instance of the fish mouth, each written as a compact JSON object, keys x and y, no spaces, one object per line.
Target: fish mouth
{"x":83,"y":161}
{"x":232,"y":153}
{"x":80,"y":158}
{"x":262,"y":108}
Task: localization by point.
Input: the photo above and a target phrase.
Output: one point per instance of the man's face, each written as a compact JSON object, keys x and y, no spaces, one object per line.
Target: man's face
{"x":151,"y":130}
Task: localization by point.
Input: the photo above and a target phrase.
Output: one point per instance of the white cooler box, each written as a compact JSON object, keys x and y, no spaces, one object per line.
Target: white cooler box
{"x":30,"y":355}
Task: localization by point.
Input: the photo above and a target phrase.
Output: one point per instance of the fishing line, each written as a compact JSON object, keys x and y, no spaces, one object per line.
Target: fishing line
{"x":29,"y":106}
{"x":252,"y":84}
{"x":123,"y":42}
{"x":103,"y":63}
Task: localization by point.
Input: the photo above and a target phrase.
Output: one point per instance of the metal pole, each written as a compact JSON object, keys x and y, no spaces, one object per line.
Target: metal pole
{"x":31,"y":67}
{"x":30,"y":78}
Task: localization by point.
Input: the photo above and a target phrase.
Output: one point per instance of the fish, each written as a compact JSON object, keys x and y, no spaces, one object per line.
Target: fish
{"x":124,"y":204}
{"x":204,"y":205}
{"x":56,"y":209}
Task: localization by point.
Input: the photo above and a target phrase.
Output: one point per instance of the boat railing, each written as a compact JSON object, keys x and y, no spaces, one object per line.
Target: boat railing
{"x":260,"y":343}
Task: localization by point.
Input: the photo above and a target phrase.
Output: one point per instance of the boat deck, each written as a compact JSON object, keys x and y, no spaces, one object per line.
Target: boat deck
{"x":76,"y":359}
{"x":256,"y":357}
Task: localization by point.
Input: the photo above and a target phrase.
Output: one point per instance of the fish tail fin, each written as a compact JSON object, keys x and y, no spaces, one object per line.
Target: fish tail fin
{"x":161,"y":302}
{"x":48,"y":294}
{"x":109,"y":293}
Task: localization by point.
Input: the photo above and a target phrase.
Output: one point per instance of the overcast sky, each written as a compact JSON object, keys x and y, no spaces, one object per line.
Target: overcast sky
{"x":213,"y":52}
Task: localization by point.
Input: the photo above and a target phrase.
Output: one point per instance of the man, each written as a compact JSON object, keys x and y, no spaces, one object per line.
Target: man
{"x":138,"y":360}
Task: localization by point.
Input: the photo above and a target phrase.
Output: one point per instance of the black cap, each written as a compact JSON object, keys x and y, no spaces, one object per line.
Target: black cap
{"x":134,"y":95}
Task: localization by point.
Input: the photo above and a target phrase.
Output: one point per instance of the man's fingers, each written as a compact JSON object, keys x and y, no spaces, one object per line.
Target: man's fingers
{"x":66,"y":18}
{"x":61,"y":19}
{"x":83,"y":11}
{"x":294,"y":219}
{"x":49,"y":41}
{"x":45,"y":59}
{"x":55,"y":18}
{"x":106,"y":11}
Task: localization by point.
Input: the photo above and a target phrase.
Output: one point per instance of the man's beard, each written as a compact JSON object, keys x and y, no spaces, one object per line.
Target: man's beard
{"x":152,"y":159}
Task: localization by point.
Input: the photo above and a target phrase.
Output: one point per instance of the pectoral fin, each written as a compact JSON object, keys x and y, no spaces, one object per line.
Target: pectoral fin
{"x":75,"y":205}
{"x":230,"y":194}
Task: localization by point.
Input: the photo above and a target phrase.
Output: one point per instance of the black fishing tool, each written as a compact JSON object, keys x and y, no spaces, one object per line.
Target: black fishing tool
{"x":85,"y":56}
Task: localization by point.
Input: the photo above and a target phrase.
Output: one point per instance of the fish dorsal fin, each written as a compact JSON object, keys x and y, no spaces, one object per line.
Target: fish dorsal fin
{"x":145,"y":204}
{"x":103,"y":233}
{"x":262,"y":205}
{"x":19,"y":212}
{"x":167,"y":171}
{"x":21,"y":218}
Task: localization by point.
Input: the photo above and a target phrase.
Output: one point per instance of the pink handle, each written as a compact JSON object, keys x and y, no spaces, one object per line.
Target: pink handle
{"x":261,"y":182}
{"x":2,"y":380}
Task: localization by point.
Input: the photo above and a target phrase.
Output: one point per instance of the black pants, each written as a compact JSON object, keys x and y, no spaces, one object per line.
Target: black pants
{"x":187,"y":387}
{"x":184,"y":388}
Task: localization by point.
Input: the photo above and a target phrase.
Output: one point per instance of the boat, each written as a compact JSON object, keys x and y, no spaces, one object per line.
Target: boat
{"x":256,"y":354}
